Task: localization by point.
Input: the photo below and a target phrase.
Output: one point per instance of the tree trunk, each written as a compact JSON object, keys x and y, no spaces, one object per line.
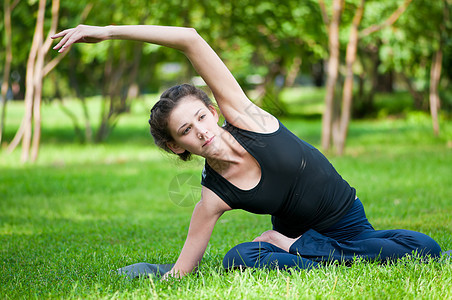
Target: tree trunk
{"x":435,"y":71}
{"x":375,"y":58}
{"x":116,"y":89}
{"x":33,"y":85}
{"x":38,"y":81}
{"x":88,"y":135}
{"x":435,"y":74}
{"x":268,"y":91}
{"x":347,"y":92}
{"x":108,"y":70}
{"x":347,"y":97}
{"x":30,"y":87}
{"x":418,"y":97}
{"x":71,"y":115}
{"x":385,"y":82}
{"x":37,"y":104}
{"x":333,"y":71}
{"x":88,"y":132}
{"x":293,"y":72}
{"x":131,"y":85}
{"x":318,"y":73}
{"x":7,"y":68}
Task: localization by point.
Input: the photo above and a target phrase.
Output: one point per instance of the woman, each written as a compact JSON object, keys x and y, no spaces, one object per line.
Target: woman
{"x":254,"y":163}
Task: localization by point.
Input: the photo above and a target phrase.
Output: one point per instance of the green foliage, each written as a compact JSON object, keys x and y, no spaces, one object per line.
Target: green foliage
{"x":261,"y":38}
{"x":409,"y":45}
{"x":249,"y":34}
{"x":83,"y":211}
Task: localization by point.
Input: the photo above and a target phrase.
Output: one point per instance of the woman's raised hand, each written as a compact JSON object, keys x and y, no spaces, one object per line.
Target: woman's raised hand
{"x":80,"y":34}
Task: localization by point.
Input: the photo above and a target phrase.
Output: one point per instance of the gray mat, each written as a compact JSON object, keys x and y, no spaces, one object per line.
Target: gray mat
{"x":144,"y":270}
{"x":446,"y":254}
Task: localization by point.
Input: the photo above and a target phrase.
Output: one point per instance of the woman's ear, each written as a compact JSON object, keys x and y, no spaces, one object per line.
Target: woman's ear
{"x":175,"y":147}
{"x":214,"y":112}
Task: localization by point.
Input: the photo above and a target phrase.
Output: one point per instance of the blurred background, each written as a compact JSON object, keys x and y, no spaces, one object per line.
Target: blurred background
{"x":329,"y":59}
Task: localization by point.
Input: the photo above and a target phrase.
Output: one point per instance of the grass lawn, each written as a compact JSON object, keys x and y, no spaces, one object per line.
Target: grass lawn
{"x":83,"y":210}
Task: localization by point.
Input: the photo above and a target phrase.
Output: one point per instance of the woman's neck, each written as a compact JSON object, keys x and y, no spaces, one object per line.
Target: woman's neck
{"x":229,"y":153}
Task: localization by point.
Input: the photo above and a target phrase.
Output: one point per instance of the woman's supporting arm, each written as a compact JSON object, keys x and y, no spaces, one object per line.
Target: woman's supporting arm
{"x":205,"y":215}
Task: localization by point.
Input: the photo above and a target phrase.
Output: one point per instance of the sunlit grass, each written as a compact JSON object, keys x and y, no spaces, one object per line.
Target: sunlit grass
{"x":83,"y":210}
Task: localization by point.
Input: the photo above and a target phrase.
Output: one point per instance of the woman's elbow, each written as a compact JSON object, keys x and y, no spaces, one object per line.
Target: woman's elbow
{"x":192,"y":39}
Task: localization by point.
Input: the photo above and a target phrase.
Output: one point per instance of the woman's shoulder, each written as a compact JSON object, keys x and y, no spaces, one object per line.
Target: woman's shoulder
{"x":253,"y":119}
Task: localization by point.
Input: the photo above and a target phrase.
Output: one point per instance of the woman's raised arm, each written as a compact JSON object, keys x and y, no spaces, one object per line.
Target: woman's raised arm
{"x":174,"y":37}
{"x":232,"y":101}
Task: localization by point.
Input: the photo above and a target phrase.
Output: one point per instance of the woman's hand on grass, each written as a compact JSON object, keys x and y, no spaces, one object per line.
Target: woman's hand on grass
{"x":172,"y":274}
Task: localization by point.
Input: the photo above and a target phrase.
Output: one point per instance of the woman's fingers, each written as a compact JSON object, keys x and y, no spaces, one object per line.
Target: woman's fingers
{"x":81,"y":33}
{"x":64,"y":42}
{"x":60,"y":34}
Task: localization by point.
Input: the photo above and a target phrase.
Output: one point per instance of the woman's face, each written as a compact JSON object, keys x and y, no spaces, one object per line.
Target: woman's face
{"x":194,"y":127}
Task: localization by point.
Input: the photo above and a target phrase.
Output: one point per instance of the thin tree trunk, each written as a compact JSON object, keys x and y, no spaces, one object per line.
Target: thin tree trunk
{"x":39,"y":76}
{"x":109,"y":118}
{"x":350,"y":58}
{"x":29,"y":92}
{"x":347,"y":92}
{"x":435,"y":74}
{"x":435,"y":71}
{"x":293,"y":72}
{"x":333,"y":71}
{"x":108,"y":78}
{"x":37,"y":105}
{"x":7,"y":68}
{"x":374,"y":56}
{"x":418,"y":97}
{"x":88,"y":136}
{"x":269,"y":92}
{"x":132,"y":87}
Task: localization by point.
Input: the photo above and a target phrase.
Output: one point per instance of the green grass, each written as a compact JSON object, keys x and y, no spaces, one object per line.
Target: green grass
{"x":83,"y":210}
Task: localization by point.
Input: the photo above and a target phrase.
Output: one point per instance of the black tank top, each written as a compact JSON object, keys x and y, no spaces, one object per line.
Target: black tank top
{"x":299,"y":187}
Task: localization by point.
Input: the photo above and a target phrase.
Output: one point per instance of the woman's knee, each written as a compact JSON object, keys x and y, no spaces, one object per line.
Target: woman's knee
{"x":246,"y":254}
{"x":424,"y":245}
{"x":430,"y":247}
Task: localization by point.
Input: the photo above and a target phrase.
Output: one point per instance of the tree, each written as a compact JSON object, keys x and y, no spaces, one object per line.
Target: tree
{"x":435,"y":69}
{"x":29,"y":132}
{"x":117,"y":70}
{"x":268,"y":40}
{"x":416,"y":52}
{"x":337,"y":130}
{"x":274,"y":40}
{"x":333,"y":67}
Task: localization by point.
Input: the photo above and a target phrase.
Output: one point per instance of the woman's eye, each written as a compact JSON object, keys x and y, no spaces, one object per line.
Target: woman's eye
{"x":187,"y":130}
{"x":202,"y":117}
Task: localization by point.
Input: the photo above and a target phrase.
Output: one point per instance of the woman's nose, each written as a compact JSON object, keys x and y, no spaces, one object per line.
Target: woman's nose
{"x":201,"y":132}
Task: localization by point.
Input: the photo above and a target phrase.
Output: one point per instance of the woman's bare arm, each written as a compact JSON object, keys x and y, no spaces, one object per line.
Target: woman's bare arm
{"x":204,"y":218}
{"x":232,"y":101}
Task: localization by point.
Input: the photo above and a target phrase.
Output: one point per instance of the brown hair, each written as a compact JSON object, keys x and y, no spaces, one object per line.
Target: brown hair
{"x":161,"y":111}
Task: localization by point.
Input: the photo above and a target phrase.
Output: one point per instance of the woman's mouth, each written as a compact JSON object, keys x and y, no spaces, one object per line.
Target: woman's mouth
{"x":209,"y":141}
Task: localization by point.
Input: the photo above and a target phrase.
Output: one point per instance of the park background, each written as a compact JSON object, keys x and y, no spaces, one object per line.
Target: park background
{"x":83,"y":190}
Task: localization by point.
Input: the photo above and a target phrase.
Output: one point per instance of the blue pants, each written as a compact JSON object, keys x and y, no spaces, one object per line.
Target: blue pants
{"x":352,"y":237}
